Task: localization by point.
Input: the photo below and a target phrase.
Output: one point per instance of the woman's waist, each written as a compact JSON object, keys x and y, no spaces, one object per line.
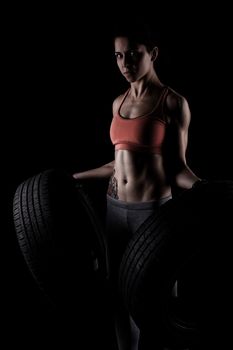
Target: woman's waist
{"x":138,"y":190}
{"x":139,"y":203}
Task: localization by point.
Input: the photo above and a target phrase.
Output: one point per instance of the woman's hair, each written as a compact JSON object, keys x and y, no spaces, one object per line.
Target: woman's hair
{"x":137,"y":31}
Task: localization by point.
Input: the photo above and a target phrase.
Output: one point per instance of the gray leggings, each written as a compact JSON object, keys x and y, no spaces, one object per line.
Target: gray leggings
{"x":122,"y":221}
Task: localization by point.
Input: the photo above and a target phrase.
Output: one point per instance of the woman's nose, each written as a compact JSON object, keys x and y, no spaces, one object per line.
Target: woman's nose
{"x":126,"y":61}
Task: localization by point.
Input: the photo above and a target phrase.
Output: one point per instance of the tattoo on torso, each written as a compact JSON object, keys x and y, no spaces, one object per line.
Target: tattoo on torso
{"x":113,"y":187}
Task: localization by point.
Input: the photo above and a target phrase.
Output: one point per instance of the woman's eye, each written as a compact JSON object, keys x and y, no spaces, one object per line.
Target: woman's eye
{"x":133,"y":53}
{"x":118,"y":55}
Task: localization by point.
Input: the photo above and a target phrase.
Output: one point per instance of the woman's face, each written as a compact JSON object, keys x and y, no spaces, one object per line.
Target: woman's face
{"x":133,"y":60}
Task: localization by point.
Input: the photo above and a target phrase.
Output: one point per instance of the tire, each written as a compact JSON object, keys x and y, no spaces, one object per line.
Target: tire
{"x":60,"y":236}
{"x":181,"y":239}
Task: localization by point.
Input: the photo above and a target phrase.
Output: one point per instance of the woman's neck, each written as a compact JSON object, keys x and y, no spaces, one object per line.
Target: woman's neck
{"x":144,"y":86}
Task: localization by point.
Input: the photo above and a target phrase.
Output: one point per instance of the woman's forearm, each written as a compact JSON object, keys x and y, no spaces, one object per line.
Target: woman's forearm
{"x":102,"y":172}
{"x":186,"y":178}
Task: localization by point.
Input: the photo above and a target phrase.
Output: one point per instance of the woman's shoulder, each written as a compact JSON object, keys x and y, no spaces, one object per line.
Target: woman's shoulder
{"x":177,"y":107}
{"x":175,"y":101}
{"x":117,"y":102}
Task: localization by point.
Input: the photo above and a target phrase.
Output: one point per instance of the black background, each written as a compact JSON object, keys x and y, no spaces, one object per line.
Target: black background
{"x":59,"y":81}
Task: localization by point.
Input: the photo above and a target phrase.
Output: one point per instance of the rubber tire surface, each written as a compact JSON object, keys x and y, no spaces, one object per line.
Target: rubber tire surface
{"x":59,"y":236}
{"x":182,"y":237}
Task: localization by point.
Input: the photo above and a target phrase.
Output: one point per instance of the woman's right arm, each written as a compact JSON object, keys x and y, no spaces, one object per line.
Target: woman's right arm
{"x":102,"y":172}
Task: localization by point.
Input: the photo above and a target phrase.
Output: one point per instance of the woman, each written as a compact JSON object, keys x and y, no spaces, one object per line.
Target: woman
{"x":150,"y":133}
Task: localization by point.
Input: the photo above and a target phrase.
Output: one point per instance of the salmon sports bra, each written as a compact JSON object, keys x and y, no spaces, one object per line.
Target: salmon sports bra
{"x":142,"y":134}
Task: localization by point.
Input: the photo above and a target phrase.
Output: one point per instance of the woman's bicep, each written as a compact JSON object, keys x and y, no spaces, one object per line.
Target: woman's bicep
{"x":180,"y":120}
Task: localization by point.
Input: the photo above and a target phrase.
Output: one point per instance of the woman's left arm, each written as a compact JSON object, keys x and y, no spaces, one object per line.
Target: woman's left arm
{"x":180,"y":117}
